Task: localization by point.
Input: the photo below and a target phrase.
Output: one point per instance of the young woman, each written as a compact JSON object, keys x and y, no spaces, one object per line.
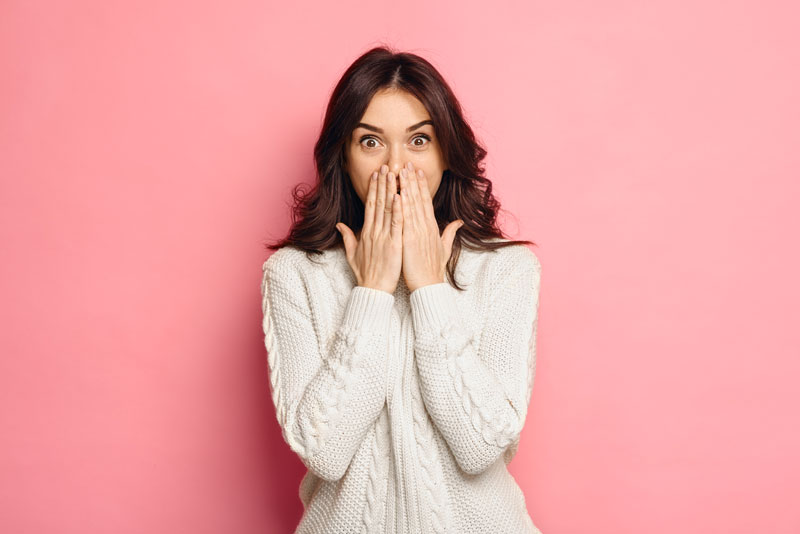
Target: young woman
{"x":401,"y":348}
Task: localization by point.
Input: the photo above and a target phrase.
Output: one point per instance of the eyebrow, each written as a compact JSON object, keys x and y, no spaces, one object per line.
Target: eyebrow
{"x":380,"y":130}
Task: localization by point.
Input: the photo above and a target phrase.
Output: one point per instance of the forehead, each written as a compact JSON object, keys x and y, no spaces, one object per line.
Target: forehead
{"x":394,"y":109}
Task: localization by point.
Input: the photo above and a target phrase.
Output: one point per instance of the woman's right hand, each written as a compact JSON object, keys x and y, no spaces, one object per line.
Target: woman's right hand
{"x":376,"y":257}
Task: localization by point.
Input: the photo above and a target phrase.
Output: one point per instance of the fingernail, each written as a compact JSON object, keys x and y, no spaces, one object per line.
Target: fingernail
{"x":409,"y":166}
{"x":384,"y":168}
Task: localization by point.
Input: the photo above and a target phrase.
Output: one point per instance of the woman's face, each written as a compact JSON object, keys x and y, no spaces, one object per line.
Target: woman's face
{"x":391,"y":133}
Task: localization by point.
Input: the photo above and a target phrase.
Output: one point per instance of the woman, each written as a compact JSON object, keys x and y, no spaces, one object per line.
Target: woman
{"x":403,"y":393}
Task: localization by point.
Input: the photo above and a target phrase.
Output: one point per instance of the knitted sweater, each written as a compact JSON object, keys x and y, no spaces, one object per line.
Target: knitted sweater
{"x":406,"y":408}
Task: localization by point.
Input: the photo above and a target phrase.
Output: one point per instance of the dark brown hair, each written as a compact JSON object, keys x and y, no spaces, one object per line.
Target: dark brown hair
{"x":464,"y":192}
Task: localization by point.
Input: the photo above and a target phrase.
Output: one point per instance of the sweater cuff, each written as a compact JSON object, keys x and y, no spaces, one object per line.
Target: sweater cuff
{"x":432,"y":306}
{"x":368,"y":309}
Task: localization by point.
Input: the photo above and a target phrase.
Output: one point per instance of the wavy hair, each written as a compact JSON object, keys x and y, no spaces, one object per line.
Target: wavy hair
{"x":464,"y":192}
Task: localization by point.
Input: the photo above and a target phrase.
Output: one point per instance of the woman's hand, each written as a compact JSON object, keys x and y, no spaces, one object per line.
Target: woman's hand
{"x":376,"y":256}
{"x":425,"y":252}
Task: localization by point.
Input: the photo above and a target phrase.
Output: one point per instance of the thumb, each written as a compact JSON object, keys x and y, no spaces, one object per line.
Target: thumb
{"x":449,"y":235}
{"x":348,"y":237}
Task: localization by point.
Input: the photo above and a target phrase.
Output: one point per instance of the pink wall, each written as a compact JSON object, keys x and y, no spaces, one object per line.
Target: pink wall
{"x":147,"y":149}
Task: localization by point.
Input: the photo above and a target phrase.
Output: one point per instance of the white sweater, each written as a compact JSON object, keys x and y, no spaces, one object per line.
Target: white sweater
{"x":405,"y":407}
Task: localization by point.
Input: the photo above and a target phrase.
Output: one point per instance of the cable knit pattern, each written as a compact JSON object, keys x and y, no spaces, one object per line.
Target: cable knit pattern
{"x":322,"y":389}
{"x":270,"y":341}
{"x":337,"y":393}
{"x":406,"y":408}
{"x":378,"y":473}
{"x":487,"y":386}
{"x":434,"y":489}
{"x":499,"y":432}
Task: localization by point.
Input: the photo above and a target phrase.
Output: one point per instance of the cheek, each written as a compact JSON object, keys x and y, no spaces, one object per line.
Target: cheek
{"x":433,"y":177}
{"x":359,"y":177}
{"x":360,"y":172}
{"x":362,"y":187}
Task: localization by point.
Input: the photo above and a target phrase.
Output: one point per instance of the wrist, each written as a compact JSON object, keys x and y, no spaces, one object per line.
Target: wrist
{"x":378,"y":288}
{"x":413,"y":287}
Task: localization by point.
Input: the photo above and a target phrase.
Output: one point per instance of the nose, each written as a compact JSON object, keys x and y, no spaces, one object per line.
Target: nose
{"x":395,"y":161}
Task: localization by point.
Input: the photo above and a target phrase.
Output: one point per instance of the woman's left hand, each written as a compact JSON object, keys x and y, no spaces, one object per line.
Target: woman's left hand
{"x":425,"y":252}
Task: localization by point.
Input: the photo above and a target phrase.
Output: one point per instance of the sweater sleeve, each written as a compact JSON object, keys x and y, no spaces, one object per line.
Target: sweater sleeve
{"x":326,"y":398}
{"x":477,"y":396}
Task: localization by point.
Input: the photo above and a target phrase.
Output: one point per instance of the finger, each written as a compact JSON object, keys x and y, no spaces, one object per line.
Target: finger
{"x":369,"y":206}
{"x":391,"y":189}
{"x":424,"y":212}
{"x":449,"y":235}
{"x":380,"y":202}
{"x":405,"y":200}
{"x":416,"y":209}
{"x":427,"y":201}
{"x":349,"y":239}
{"x":397,"y":219}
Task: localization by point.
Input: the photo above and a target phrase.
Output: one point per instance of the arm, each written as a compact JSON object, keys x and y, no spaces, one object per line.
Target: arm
{"x":478,"y":396}
{"x":326,"y":398}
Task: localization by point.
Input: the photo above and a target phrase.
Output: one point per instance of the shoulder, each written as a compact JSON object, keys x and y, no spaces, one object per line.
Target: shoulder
{"x":511,"y":259}
{"x":519,"y":256}
{"x":284,"y":271}
{"x":284,"y":258}
{"x":291,"y":259}
{"x":296,"y":270}
{"x":515,"y":272}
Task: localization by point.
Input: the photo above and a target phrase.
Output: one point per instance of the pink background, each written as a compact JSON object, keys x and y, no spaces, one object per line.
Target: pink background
{"x":148,"y":148}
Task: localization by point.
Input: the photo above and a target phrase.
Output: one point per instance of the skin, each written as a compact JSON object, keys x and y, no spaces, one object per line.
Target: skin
{"x":401,"y":230}
{"x":393,"y":111}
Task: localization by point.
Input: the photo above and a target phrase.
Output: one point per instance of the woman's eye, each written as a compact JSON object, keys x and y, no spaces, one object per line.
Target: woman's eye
{"x":368,"y":139}
{"x":425,"y":137}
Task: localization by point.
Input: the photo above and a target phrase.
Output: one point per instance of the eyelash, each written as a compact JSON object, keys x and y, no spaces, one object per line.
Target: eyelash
{"x":364,"y":138}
